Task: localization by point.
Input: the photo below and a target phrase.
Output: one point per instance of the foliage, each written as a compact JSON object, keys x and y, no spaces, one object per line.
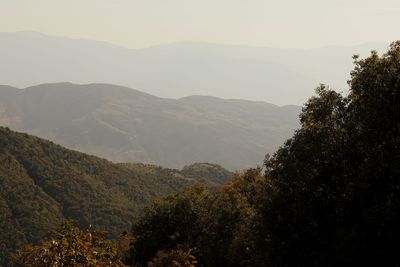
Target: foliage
{"x":168,"y":223}
{"x":330,"y":196}
{"x":215,"y":223}
{"x":337,"y":198}
{"x":71,"y":246}
{"x":175,"y":258}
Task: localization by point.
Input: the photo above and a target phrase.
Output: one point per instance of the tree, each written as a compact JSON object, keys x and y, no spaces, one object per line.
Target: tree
{"x":215,"y":225}
{"x":168,"y":223}
{"x":181,"y":257}
{"x":71,"y":246}
{"x":336,"y":188}
{"x":330,"y":196}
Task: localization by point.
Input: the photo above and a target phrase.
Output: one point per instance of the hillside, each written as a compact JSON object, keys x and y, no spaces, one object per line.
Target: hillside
{"x":210,"y":174}
{"x":126,"y":125}
{"x":280,"y":76}
{"x":42,"y":183}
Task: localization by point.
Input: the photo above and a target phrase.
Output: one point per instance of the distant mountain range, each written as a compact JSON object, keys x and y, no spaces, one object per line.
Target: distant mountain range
{"x":279,"y":76}
{"x":42,"y":184}
{"x":126,"y":125}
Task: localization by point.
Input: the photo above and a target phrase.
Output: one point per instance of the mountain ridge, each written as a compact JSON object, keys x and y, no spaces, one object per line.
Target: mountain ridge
{"x":38,"y":33}
{"x":279,"y":76}
{"x":125,"y":125}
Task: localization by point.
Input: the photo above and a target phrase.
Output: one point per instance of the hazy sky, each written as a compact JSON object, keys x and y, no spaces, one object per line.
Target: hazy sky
{"x":141,"y":23}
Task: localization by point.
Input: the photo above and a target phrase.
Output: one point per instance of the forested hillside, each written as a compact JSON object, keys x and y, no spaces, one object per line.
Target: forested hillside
{"x":42,"y":183}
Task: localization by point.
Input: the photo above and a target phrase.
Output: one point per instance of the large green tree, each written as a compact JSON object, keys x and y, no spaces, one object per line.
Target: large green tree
{"x":336,"y":197}
{"x":329,"y":196}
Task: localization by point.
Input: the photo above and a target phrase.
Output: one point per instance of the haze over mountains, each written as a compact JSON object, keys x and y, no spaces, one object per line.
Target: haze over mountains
{"x":279,"y":76}
{"x":126,"y":125}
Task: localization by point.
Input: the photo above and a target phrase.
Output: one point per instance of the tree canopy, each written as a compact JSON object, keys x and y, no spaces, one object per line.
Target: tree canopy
{"x":329,"y":196}
{"x":71,"y":247}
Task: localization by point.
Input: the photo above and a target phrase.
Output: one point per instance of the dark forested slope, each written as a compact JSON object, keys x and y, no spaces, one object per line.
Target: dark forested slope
{"x":42,"y":183}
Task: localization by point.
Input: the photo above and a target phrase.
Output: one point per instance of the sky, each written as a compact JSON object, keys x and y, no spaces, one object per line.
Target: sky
{"x":144,"y":23}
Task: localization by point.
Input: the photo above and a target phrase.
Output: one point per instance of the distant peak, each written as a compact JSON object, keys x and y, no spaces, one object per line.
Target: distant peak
{"x":198,"y":97}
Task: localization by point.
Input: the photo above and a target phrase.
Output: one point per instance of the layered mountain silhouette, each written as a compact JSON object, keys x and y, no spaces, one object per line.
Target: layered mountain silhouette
{"x":279,"y":76}
{"x":126,"y":125}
